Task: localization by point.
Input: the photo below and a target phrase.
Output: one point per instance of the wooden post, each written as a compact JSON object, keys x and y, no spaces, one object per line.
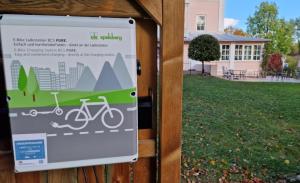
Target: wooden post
{"x":171,"y":71}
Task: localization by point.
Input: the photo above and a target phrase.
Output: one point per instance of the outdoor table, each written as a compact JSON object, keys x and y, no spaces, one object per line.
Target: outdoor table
{"x":237,"y":74}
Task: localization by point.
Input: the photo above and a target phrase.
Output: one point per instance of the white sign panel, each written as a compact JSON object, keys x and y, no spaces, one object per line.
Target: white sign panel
{"x":72,"y":91}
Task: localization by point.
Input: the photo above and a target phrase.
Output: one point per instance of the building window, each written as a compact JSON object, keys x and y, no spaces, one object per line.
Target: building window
{"x":238,"y":52}
{"x":225,"y":52}
{"x":200,"y":22}
{"x":257,"y":52}
{"x":247,"y":52}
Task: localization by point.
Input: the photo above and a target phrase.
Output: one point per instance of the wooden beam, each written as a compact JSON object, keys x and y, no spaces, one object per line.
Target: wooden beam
{"x":146,"y":149}
{"x":171,"y":76}
{"x":111,"y":8}
{"x":153,"y":8}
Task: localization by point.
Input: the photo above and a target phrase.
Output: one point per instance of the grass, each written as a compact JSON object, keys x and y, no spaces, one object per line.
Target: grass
{"x":239,"y":130}
{"x":68,"y":98}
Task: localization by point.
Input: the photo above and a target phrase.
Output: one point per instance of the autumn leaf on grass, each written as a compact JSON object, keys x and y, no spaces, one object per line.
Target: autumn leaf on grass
{"x":234,"y":169}
{"x":287,"y":162}
{"x":212,"y":162}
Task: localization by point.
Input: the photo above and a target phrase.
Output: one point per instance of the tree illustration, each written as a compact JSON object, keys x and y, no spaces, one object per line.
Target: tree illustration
{"x":22,"y":81}
{"x":32,"y":85}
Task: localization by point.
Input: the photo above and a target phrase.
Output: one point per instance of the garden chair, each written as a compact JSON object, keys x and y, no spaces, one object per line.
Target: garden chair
{"x":226,"y":74}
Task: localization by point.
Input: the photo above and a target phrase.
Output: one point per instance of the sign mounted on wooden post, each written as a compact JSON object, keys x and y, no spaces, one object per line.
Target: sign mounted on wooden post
{"x":72,"y":91}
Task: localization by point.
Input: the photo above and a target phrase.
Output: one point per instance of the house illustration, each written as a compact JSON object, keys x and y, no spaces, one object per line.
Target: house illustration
{"x":237,"y":52}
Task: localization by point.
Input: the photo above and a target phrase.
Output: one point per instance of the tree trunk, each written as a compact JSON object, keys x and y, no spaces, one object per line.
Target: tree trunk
{"x":24,"y":93}
{"x":299,"y":46}
{"x":33,"y":97}
{"x":202,"y":67}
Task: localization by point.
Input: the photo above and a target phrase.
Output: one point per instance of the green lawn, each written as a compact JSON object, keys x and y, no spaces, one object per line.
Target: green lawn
{"x":239,"y":130}
{"x":68,"y":98}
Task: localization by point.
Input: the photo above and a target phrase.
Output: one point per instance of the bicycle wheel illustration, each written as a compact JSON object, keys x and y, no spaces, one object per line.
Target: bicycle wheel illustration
{"x":112,"y":118}
{"x":79,"y":116}
{"x":59,"y":111}
{"x":33,"y":112}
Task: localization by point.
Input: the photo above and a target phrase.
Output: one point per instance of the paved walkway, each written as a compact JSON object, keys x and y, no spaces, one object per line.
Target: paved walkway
{"x":270,"y":79}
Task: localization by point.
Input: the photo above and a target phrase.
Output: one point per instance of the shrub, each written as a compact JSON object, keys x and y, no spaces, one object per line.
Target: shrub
{"x":292,"y":66}
{"x":204,"y":48}
{"x":275,"y":63}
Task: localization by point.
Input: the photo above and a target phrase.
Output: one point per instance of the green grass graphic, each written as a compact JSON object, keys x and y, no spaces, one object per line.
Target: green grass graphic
{"x":68,"y":98}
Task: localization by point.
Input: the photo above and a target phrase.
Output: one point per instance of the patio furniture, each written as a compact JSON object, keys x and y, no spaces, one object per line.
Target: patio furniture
{"x":243,"y":74}
{"x":226,"y":73}
{"x":237,"y":74}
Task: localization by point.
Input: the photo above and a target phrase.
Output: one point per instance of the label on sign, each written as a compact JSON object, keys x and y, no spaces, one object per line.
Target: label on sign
{"x":30,"y":149}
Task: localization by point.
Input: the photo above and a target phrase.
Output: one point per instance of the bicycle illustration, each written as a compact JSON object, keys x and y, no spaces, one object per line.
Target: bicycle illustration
{"x":57,"y":110}
{"x":110,"y":117}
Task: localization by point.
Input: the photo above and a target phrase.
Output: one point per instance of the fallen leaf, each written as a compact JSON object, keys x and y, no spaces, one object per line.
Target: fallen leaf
{"x":212,"y":162}
{"x":286,"y":161}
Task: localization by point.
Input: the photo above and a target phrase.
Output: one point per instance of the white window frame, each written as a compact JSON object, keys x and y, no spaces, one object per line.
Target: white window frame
{"x":238,"y":52}
{"x":226,"y":51}
{"x":204,"y":26}
{"x":247,"y":52}
{"x":257,"y":52}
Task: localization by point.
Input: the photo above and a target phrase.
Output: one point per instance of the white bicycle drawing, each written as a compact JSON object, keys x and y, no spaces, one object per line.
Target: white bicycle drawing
{"x":57,"y":110}
{"x":110,"y":117}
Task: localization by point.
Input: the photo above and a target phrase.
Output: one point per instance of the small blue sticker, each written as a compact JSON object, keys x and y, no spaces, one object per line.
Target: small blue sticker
{"x":29,"y":149}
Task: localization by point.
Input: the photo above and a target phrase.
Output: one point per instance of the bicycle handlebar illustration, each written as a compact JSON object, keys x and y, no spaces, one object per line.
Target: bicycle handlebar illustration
{"x":57,"y":110}
{"x":84,"y":116}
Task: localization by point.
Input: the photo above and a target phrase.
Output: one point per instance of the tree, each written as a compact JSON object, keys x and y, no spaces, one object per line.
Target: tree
{"x":296,"y":25}
{"x":265,"y":24}
{"x":281,"y":40}
{"x":22,"y":81}
{"x":235,"y":31}
{"x":32,"y":85}
{"x":264,"y":20}
{"x":204,"y":48}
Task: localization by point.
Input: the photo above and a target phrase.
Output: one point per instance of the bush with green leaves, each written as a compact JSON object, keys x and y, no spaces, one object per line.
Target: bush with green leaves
{"x":292,"y":66}
{"x":204,"y":48}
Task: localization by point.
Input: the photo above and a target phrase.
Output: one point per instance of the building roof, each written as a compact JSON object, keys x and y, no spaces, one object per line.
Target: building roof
{"x":224,"y":37}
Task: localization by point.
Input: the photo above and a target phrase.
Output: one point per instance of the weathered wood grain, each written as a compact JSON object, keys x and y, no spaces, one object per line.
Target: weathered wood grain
{"x":171,"y":67}
{"x":62,"y":176}
{"x":147,"y":148}
{"x":7,"y":176}
{"x":36,"y":177}
{"x":144,"y":170}
{"x":119,"y":173}
{"x":92,"y":174}
{"x":153,"y":8}
{"x":146,"y":48}
{"x":111,"y":8}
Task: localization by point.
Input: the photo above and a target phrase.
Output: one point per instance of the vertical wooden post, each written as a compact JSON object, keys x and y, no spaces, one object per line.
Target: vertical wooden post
{"x":171,"y":69}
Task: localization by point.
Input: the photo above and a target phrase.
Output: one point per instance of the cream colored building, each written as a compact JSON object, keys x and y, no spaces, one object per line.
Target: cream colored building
{"x":237,"y":53}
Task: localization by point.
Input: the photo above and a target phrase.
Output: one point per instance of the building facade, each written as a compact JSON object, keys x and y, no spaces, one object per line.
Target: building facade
{"x":14,"y":71}
{"x":237,"y":53}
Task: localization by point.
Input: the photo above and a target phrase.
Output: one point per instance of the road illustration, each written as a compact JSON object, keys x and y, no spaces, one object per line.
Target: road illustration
{"x":95,"y":140}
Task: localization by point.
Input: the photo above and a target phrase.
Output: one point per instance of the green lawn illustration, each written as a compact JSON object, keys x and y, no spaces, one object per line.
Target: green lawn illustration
{"x":68,"y":98}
